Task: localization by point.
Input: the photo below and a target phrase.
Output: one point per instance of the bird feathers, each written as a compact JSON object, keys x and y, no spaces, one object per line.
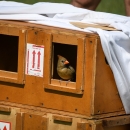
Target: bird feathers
{"x":64,"y":70}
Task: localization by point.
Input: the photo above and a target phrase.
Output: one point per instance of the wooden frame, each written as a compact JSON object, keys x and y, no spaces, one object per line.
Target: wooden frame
{"x":15,"y":77}
{"x":94,"y":94}
{"x":54,"y":84}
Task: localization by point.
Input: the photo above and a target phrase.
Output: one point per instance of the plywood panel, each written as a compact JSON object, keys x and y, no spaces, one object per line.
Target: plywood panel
{"x":106,"y":96}
{"x":34,"y":122}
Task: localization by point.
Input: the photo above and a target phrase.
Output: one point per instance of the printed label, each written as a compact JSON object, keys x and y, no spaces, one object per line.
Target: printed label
{"x":34,"y":60}
{"x":5,"y":125}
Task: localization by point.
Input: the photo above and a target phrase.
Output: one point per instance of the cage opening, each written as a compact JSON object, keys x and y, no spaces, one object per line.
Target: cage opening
{"x":67,"y":51}
{"x":9,"y":52}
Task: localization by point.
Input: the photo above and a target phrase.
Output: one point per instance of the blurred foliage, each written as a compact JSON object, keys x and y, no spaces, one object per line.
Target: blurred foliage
{"x":110,"y":6}
{"x":35,"y":1}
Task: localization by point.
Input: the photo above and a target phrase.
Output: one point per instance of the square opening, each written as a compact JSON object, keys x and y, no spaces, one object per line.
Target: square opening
{"x":67,"y":51}
{"x":71,"y":48}
{"x":9,"y":53}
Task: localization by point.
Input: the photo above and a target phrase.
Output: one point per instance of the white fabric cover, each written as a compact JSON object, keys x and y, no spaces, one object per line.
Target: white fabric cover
{"x":116,"y":44}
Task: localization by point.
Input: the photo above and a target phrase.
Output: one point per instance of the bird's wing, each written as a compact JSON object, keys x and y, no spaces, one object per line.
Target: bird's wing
{"x":72,"y":69}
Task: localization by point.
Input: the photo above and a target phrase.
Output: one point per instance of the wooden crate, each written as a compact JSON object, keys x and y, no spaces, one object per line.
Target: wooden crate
{"x":113,"y":123}
{"x":94,"y":93}
{"x":27,"y":119}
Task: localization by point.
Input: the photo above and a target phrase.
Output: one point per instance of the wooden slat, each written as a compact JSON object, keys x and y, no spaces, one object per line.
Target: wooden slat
{"x":13,"y":31}
{"x":63,"y":89}
{"x":80,"y":64}
{"x":62,"y":118}
{"x":116,"y":121}
{"x":89,"y":72}
{"x":21,"y":56}
{"x":85,"y":25}
{"x":7,"y":74}
{"x":5,"y":109}
{"x":4,"y":30}
{"x":65,"y":39}
{"x":18,"y":121}
{"x":47,"y":40}
{"x":63,"y":83}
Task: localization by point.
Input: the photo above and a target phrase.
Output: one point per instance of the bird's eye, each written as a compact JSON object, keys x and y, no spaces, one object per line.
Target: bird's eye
{"x":62,"y":61}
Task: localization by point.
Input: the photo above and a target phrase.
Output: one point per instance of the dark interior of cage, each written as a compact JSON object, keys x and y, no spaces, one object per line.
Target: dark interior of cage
{"x":8,"y":52}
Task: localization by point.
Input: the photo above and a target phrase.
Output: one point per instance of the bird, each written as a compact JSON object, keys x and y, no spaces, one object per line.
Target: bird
{"x":64,"y":69}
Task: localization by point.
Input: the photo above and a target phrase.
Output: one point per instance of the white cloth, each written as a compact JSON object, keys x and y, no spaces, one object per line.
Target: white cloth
{"x":116,"y":44}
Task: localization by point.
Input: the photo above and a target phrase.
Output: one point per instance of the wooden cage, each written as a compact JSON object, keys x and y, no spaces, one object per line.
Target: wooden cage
{"x":93,"y":95}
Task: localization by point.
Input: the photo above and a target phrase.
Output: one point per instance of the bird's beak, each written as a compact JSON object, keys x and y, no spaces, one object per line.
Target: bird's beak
{"x":66,"y":62}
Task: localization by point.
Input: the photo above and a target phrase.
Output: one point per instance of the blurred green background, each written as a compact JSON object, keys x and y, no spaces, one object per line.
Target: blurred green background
{"x":110,"y":6}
